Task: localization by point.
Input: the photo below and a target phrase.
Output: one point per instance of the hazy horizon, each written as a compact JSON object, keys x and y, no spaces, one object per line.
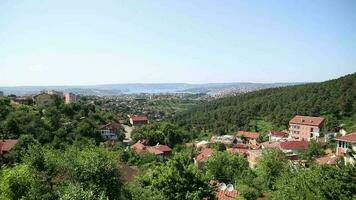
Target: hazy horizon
{"x":64,"y":43}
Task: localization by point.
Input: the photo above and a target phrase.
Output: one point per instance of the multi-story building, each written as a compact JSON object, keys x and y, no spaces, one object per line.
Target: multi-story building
{"x":346,"y":143}
{"x":45,"y":99}
{"x":70,"y":98}
{"x":305,"y":127}
{"x":1,"y":93}
{"x":137,"y":120}
{"x":109,"y":131}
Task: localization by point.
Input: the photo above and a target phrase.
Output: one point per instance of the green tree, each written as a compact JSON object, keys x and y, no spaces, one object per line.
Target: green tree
{"x":226,"y":167}
{"x":270,"y":166}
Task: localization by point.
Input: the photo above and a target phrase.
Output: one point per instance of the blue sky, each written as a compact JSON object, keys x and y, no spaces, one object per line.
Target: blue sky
{"x":136,"y":41}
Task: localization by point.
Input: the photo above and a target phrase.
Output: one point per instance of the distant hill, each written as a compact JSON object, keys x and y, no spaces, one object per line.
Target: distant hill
{"x":335,"y":99}
{"x":119,"y":89}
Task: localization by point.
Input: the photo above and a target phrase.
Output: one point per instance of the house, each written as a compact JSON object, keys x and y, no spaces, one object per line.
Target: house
{"x":137,"y":120}
{"x":70,"y":98}
{"x":45,"y":99}
{"x":203,"y":156}
{"x":293,"y":148}
{"x":249,"y":136}
{"x":346,"y":147}
{"x":224,"y":139}
{"x":109,"y":131}
{"x":270,"y":145}
{"x":159,"y":150}
{"x":6,"y":146}
{"x":277,"y":136}
{"x":240,"y":149}
{"x":305,"y":127}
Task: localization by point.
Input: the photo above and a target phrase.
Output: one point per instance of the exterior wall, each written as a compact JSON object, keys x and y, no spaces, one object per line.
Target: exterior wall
{"x":137,"y":123}
{"x":303,"y":132}
{"x":344,"y":147}
{"x":108,"y":134}
{"x":275,"y":139}
{"x":70,"y":98}
{"x":44,"y":99}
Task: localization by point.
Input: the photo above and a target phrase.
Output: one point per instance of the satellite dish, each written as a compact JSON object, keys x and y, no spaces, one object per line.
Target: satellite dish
{"x":222,"y":186}
{"x":230,"y":187}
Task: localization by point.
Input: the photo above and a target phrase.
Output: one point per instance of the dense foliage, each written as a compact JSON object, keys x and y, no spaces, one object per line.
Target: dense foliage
{"x":58,"y":125}
{"x":163,"y":133}
{"x":335,"y":99}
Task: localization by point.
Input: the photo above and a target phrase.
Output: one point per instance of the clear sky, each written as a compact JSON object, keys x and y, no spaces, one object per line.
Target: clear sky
{"x":69,"y":42}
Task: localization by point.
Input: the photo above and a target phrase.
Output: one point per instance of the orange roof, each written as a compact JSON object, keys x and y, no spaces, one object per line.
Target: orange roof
{"x":279,"y":133}
{"x":348,"y":138}
{"x":137,"y":118}
{"x":307,"y":120}
{"x":159,"y":149}
{"x":327,"y":160}
{"x":294,"y":144}
{"x":205,"y":154}
{"x":227,"y":195}
{"x":7,"y":145}
{"x":249,"y":135}
{"x":139,"y":147}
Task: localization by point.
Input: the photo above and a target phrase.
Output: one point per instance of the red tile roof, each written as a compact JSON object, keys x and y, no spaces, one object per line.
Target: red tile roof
{"x":270,"y":144}
{"x":227,"y":195}
{"x":307,"y":120}
{"x":137,"y":118}
{"x":205,"y":154}
{"x":249,"y":135}
{"x":279,"y":134}
{"x":348,"y":138}
{"x":159,"y":149}
{"x":7,"y":145}
{"x":139,"y":147}
{"x":295,"y":145}
{"x":112,"y":125}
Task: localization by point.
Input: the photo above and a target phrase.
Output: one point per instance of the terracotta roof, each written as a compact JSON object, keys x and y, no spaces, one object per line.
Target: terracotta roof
{"x":205,"y":154}
{"x":348,"y":138}
{"x":279,"y":133}
{"x":7,"y":145}
{"x":139,"y":147}
{"x":307,"y":120}
{"x":294,"y":145}
{"x":242,"y":152}
{"x":249,"y":135}
{"x":111,"y":125}
{"x":227,"y":195}
{"x":159,"y":149}
{"x":327,"y":160}
{"x":138,"y":118}
{"x":270,"y":144}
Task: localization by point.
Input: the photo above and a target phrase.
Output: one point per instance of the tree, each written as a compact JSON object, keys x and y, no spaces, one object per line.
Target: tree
{"x":178,"y":179}
{"x":314,"y":150}
{"x":270,"y":166}
{"x":226,"y":167}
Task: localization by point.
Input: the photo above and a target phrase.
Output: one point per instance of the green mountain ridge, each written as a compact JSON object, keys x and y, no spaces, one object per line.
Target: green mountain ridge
{"x":333,"y":99}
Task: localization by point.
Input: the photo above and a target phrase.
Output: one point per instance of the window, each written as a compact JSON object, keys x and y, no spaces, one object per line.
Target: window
{"x":311,"y":129}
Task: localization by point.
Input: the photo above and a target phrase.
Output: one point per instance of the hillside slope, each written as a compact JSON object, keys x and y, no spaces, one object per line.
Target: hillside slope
{"x":334,"y":99}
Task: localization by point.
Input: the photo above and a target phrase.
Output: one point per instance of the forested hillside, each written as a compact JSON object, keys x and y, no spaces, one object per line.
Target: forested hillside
{"x":334,"y":99}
